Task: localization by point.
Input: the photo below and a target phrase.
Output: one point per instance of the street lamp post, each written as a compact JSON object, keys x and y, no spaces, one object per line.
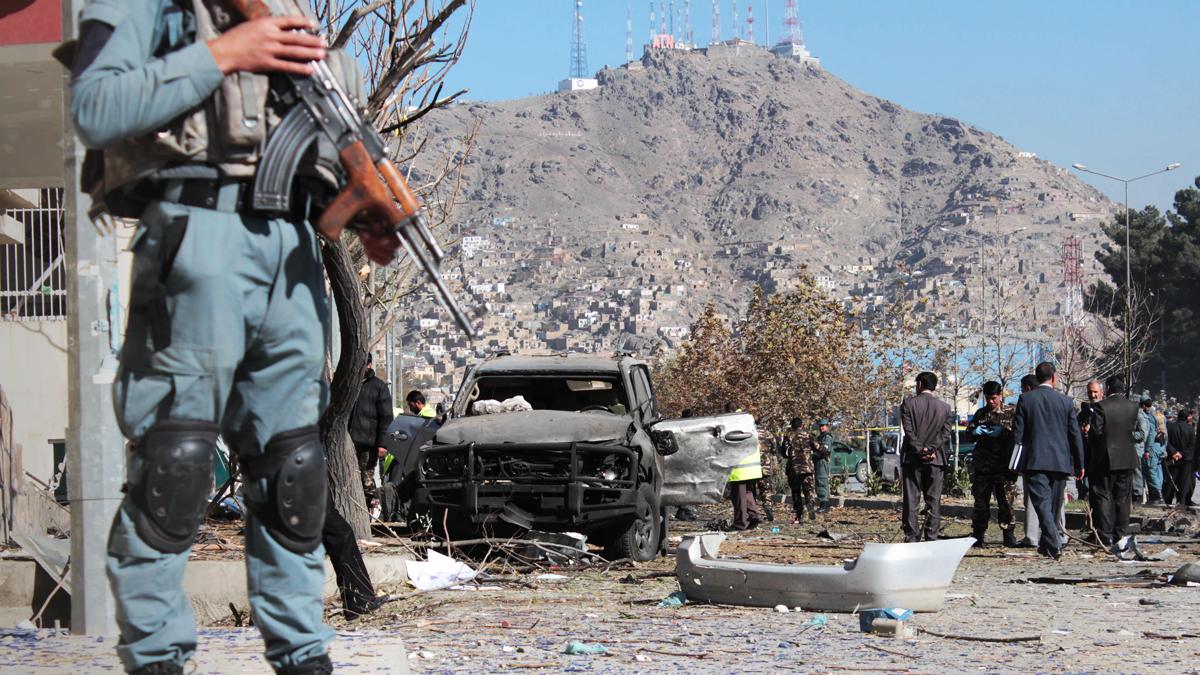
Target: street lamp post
{"x":1128,"y":358}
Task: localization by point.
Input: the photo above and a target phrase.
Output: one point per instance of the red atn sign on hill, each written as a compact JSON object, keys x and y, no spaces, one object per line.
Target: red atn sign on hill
{"x":24,"y":22}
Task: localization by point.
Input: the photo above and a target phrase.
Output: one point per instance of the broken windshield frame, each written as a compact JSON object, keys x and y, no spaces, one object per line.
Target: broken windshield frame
{"x":578,"y":392}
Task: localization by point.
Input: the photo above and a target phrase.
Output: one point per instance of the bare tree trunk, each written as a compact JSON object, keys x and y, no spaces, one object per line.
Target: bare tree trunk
{"x":347,"y":380}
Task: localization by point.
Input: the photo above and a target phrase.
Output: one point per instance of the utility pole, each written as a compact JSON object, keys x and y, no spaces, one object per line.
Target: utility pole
{"x":93,"y":315}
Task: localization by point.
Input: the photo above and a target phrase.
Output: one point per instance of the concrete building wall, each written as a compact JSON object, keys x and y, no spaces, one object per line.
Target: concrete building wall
{"x":33,"y":371}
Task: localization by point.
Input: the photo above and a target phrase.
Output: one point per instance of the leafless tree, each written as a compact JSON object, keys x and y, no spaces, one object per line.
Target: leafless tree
{"x":407,"y":47}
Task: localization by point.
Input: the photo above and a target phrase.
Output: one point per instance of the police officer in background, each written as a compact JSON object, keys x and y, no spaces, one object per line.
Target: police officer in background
{"x":228,"y":314}
{"x":798,"y":463}
{"x":991,"y":426}
{"x":822,"y":450}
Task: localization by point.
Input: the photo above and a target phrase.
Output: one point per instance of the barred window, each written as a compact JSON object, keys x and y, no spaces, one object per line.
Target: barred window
{"x":33,"y":279}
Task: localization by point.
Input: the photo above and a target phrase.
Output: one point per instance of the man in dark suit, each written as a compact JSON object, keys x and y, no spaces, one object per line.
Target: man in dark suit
{"x":1111,"y":461}
{"x":1181,"y":444}
{"x":926,"y":424}
{"x":1051,"y":449}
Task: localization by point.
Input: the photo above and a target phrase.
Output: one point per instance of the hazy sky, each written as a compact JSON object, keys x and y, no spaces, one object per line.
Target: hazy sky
{"x":1110,"y":84}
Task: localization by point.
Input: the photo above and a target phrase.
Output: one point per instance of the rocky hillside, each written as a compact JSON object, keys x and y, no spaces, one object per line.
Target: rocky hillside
{"x":715,"y":169}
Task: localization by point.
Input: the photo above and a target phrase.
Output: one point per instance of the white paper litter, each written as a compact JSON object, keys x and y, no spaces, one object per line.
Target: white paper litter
{"x":437,"y":572}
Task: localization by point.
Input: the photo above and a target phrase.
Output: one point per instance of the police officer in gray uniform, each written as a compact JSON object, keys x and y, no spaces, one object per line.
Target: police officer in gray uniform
{"x":228,"y":314}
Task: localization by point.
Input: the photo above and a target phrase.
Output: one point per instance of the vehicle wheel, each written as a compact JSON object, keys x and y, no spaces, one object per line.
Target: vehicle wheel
{"x":640,"y":540}
{"x":860,"y":473}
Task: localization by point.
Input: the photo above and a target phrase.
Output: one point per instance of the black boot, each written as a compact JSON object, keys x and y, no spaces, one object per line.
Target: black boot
{"x":769,"y":511}
{"x":159,"y":668}
{"x":824,"y":508}
{"x":978,"y":535}
{"x":1010,"y":537}
{"x":812,"y":512}
{"x":318,"y":665}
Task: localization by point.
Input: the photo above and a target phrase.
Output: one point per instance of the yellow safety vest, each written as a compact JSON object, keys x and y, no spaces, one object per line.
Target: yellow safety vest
{"x":749,"y":468}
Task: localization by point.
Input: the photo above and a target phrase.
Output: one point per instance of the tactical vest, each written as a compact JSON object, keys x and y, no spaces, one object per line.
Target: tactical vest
{"x":222,"y":138}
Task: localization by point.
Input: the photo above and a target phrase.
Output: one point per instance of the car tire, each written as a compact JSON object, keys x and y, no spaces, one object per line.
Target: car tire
{"x":640,"y":540}
{"x":861,"y":474}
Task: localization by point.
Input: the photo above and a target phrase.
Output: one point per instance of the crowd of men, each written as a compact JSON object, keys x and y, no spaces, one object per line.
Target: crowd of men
{"x":1118,"y":451}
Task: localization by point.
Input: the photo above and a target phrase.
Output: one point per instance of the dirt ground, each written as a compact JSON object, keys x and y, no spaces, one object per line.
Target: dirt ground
{"x":1081,"y":627}
{"x":518,"y":622}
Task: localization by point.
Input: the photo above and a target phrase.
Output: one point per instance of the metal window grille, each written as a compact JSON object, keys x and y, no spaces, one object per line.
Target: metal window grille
{"x":33,"y":279}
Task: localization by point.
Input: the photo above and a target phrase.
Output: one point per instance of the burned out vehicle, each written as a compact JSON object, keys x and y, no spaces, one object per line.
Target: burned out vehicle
{"x":570,"y":443}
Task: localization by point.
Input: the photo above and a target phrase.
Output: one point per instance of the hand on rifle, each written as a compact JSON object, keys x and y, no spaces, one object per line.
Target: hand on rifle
{"x":273,"y":44}
{"x":380,"y":248}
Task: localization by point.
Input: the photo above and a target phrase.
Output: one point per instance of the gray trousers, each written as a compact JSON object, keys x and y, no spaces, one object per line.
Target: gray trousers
{"x":922,"y":483}
{"x":1046,"y":491}
{"x":1033,"y":524}
{"x":227,"y":326}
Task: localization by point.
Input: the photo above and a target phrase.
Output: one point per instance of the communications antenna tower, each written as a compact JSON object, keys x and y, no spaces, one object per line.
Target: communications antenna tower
{"x":737,"y":30}
{"x":1072,"y":260}
{"x":750,"y":24}
{"x":767,"y":22}
{"x":653,"y":23}
{"x":671,"y":13}
{"x":791,"y":24}
{"x":579,"y":67}
{"x":628,"y":32}
{"x":716,"y":27}
{"x":687,"y":24}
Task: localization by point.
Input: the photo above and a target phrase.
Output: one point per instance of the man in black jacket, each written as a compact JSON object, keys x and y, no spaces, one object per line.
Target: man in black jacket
{"x":1111,"y":461}
{"x":368,"y":427}
{"x":1050,"y":448}
{"x":353,"y":580}
{"x":1181,"y":446}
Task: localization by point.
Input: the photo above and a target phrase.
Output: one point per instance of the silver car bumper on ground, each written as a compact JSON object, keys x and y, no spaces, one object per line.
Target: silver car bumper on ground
{"x":911,"y":576}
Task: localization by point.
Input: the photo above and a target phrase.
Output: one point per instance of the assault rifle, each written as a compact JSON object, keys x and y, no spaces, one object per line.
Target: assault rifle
{"x":375,"y":191}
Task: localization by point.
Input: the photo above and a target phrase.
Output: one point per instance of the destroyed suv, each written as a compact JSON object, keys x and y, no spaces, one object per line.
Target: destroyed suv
{"x":570,"y":444}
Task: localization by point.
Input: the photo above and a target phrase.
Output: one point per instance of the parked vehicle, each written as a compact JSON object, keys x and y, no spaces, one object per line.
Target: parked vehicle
{"x":847,"y":460}
{"x":887,"y":462}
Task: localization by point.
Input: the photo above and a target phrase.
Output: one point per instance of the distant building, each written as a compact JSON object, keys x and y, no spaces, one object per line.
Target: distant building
{"x":578,"y":84}
{"x":796,"y":51}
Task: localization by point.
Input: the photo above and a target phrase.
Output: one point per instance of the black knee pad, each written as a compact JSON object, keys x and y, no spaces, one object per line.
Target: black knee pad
{"x":293,"y":465}
{"x":171,"y":489}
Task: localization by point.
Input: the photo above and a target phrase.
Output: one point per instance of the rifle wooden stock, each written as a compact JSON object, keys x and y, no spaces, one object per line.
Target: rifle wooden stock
{"x":364,"y":197}
{"x":400,"y":190}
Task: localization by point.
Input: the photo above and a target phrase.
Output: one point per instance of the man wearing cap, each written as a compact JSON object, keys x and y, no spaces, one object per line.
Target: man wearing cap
{"x":822,"y":450}
{"x":1152,"y":453}
{"x":797,"y":454}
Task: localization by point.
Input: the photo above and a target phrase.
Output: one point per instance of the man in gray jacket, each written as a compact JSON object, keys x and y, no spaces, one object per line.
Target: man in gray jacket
{"x":926,"y":423}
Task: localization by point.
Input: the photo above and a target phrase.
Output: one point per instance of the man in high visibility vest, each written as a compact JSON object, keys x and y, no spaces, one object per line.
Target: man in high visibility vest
{"x":417,"y":406}
{"x":741,"y":490}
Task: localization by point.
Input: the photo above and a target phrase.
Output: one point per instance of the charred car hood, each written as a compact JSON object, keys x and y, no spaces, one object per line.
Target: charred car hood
{"x":536,"y":426}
